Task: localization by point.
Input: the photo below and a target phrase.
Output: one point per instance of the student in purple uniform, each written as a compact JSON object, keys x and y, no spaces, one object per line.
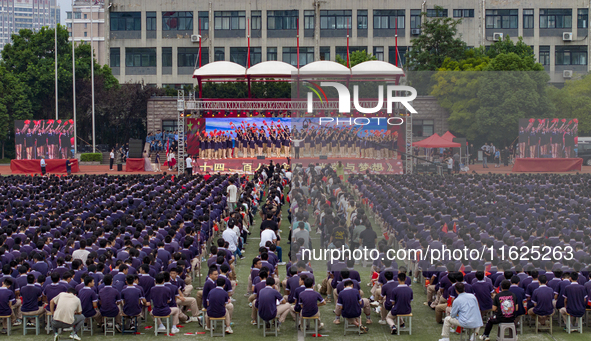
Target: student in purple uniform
{"x":542,"y":300}
{"x":7,"y":301}
{"x":161,"y":297}
{"x":505,"y":307}
{"x":386,"y":294}
{"x":483,"y":291}
{"x":575,"y":299}
{"x":219,"y":305}
{"x":402,"y":297}
{"x":210,"y":283}
{"x":350,"y":304}
{"x":109,"y":299}
{"x":89,"y":301}
{"x":309,"y":301}
{"x":520,"y":294}
{"x":267,"y":306}
{"x":31,"y":295}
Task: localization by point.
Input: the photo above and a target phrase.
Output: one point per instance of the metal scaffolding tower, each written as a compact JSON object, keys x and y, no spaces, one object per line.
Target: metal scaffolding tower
{"x":408,"y":137}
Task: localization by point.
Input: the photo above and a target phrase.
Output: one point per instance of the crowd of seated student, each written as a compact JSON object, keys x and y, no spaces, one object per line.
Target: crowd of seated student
{"x":121,"y":243}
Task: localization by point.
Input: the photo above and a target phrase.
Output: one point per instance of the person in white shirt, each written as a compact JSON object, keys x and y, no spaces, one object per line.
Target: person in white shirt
{"x":231,"y":237}
{"x":189,"y":166}
{"x":66,"y":309}
{"x":42,"y":163}
{"x":267,"y":235}
{"x":232,"y":192}
{"x":81,"y":253}
{"x":111,"y":159}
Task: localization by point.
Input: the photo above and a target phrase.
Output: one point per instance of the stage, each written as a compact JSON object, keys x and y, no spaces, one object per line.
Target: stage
{"x":34,"y":166}
{"x":548,"y":165}
{"x":249,"y":165}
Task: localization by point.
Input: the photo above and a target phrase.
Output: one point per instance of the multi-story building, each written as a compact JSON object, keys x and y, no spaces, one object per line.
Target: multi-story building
{"x":158,"y":42}
{"x":79,"y":24}
{"x":32,"y":14}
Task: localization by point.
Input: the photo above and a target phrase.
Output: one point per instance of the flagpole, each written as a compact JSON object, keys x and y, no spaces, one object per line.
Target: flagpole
{"x":74,"y":83}
{"x":55,"y":62}
{"x":92,"y":79}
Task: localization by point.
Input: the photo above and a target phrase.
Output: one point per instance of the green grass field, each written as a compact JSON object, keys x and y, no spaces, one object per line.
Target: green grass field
{"x":424,"y":325}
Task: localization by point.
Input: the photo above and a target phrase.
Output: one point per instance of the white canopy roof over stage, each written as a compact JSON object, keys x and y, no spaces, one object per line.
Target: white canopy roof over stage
{"x":278,"y":69}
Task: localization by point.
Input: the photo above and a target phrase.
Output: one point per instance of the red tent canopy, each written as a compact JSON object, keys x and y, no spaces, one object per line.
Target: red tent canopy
{"x":436,"y":141}
{"x":448,"y":136}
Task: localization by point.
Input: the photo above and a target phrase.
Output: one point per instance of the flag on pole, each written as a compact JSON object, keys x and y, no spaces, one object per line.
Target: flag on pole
{"x":455,"y":227}
{"x":444,"y":229}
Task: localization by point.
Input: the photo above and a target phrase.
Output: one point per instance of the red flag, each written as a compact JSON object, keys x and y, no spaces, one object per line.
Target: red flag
{"x":463,"y":269}
{"x":455,"y":227}
{"x":444,"y":229}
{"x":167,"y":145}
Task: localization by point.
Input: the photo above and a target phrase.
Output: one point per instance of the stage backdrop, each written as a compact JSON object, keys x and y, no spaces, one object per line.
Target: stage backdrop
{"x":548,"y":138}
{"x":52,"y":139}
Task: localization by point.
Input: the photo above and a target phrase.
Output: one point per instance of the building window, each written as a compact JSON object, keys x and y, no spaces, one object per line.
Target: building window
{"x":86,"y":34}
{"x":78,"y":15}
{"x":544,"y":55}
{"x":187,"y":56}
{"x":150,"y":21}
{"x":171,"y":125}
{"x":229,"y":20}
{"x":501,"y":18}
{"x":378,"y":52}
{"x":255,"y":20}
{"x":437,"y":13}
{"x":219,"y":53}
{"x":528,"y":18}
{"x":571,"y":55}
{"x":582,"y":17}
{"x":290,"y":55}
{"x":282,"y":20}
{"x":204,"y":21}
{"x":463,"y":13}
{"x":341,"y":51}
{"x":333,"y":20}
{"x":388,"y":18}
{"x":140,"y":57}
{"x":415,"y":18}
{"x":309,"y":20}
{"x":556,"y":18}
{"x":422,"y":128}
{"x":204,"y":56}
{"x":177,"y":21}
{"x":167,"y":56}
{"x":362,"y":19}
{"x":68,"y":15}
{"x":115,"y":57}
{"x":126,"y":21}
{"x":85,"y":25}
{"x":69,"y":25}
{"x":271,"y":53}
{"x":85,"y":16}
{"x":240,"y":55}
{"x":401,"y":55}
{"x":324,"y":52}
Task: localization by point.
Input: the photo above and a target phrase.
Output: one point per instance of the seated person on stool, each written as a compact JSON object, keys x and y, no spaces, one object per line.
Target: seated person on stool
{"x":575,"y":299}
{"x":483,"y":290}
{"x":263,"y":275}
{"x":401,"y":295}
{"x":266,"y":303}
{"x":182,"y":300}
{"x":89,"y":301}
{"x":386,"y":293}
{"x":32,"y":295}
{"x":109,"y":299}
{"x":309,"y":301}
{"x":219,"y":305}
{"x":464,"y":313}
{"x":67,"y":313}
{"x":7,"y":301}
{"x":133,"y":297}
{"x":349,"y":304}
{"x":161,"y":297}
{"x":505,"y":307}
{"x":542,"y":300}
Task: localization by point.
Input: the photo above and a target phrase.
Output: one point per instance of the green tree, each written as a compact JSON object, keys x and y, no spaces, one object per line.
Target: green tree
{"x":14,"y":105}
{"x":574,"y":101}
{"x":487,"y":92}
{"x":438,"y":41}
{"x":356,"y":57}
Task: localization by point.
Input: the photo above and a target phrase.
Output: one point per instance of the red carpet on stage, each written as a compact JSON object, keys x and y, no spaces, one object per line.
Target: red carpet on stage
{"x":34,"y":166}
{"x":351,"y":166}
{"x":548,"y":165}
{"x":135,"y":165}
